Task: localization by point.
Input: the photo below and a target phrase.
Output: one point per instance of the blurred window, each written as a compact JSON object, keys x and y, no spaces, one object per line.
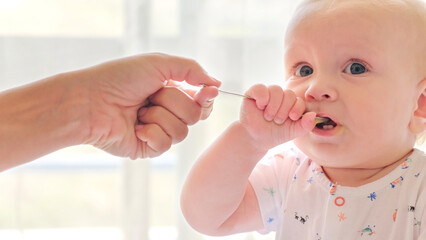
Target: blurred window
{"x":81,"y":192}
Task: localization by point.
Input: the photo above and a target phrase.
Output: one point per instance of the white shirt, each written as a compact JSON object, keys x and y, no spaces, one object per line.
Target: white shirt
{"x":299,"y":202}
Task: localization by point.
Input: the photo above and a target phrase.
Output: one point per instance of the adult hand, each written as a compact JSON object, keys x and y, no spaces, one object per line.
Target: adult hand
{"x":165,"y":120}
{"x":123,"y":87}
{"x":99,"y":106}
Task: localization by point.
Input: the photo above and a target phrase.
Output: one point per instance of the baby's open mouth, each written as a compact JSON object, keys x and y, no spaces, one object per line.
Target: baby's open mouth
{"x":324,"y":123}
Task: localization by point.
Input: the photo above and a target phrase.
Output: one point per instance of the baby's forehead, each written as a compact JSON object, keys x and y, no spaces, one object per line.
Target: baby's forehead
{"x":386,"y":25}
{"x":374,"y":4}
{"x":405,"y":18}
{"x":415,"y":9}
{"x":401,"y":16}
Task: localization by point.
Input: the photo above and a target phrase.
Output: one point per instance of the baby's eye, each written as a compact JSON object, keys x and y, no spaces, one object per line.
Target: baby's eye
{"x":304,"y":70}
{"x":355,"y":68}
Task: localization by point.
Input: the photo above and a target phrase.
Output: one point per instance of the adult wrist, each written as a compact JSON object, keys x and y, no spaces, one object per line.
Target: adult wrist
{"x":41,"y":117}
{"x":74,"y":106}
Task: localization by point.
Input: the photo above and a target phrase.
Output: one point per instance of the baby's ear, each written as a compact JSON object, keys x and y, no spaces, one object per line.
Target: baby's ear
{"x":418,"y":120}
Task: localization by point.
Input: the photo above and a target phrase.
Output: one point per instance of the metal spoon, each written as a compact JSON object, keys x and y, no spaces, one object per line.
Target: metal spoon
{"x":317,"y":119}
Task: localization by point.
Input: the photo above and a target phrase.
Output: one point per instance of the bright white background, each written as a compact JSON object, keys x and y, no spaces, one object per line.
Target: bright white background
{"x":81,"y":192}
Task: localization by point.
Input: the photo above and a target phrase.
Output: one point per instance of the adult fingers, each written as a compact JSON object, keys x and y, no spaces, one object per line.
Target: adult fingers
{"x":167,"y":121}
{"x":204,"y":97}
{"x":153,"y":140}
{"x":178,"y":103}
{"x":183,"y":69}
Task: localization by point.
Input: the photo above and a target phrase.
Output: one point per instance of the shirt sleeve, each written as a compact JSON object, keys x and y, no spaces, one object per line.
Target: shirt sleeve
{"x":270,"y":179}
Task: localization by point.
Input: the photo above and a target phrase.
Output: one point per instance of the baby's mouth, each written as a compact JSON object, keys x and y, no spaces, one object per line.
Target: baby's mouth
{"x":324,"y":123}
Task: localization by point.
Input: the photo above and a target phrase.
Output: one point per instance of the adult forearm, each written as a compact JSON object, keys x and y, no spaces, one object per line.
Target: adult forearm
{"x":42,"y":117}
{"x":208,"y":200}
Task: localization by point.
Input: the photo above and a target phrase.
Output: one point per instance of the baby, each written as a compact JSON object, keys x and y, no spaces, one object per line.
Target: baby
{"x":354,"y":104}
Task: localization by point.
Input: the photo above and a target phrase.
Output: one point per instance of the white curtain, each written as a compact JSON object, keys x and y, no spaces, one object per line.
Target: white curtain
{"x":83,"y":193}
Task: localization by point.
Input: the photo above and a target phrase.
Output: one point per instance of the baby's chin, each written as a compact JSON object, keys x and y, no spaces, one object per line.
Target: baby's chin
{"x":325,"y":156}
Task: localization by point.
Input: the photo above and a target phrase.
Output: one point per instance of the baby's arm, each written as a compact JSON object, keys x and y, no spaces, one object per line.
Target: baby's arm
{"x":217,"y":198}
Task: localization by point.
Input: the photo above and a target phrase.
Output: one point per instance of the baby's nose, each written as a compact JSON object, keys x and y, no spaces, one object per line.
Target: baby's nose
{"x":321,"y":92}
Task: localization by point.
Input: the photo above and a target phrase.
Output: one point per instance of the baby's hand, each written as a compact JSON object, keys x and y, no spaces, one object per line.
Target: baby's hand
{"x":275,"y":116}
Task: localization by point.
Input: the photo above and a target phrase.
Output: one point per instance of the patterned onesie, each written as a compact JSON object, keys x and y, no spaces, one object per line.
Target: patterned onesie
{"x":298,"y":201}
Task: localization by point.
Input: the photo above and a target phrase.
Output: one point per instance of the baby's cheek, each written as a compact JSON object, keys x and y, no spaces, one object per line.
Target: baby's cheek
{"x":377,"y":128}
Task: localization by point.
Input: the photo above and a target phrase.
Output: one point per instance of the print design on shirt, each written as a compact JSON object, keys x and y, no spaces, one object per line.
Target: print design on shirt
{"x":404,"y":165}
{"x":339,"y":201}
{"x":297,"y":161}
{"x":297,"y":158}
{"x":318,"y":170}
{"x":300,"y":218}
{"x":394,"y":215}
{"x":341,"y":216}
{"x":333,"y":188}
{"x":372,"y":196}
{"x":417,"y":223}
{"x":318,"y":237}
{"x":397,"y":181}
{"x":368,"y":230}
{"x":270,"y":191}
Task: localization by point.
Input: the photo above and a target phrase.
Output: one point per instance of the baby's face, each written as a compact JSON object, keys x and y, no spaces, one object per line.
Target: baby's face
{"x":357,"y":68}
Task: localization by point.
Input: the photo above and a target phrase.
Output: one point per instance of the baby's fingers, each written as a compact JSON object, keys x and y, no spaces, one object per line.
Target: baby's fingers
{"x":288,"y":101}
{"x":260,"y":94}
{"x":297,"y":110}
{"x":275,"y":99}
{"x":307,"y":122}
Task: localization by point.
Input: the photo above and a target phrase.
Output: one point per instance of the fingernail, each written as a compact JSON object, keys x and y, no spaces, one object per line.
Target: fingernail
{"x":218,"y":83}
{"x":293,"y":116}
{"x":278,"y":121}
{"x":208,"y":103}
{"x":269,"y":117}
